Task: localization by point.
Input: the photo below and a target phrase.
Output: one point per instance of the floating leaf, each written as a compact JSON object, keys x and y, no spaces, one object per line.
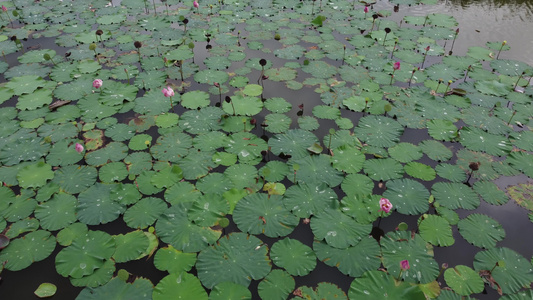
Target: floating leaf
{"x":481,"y":231}
{"x":463,"y":280}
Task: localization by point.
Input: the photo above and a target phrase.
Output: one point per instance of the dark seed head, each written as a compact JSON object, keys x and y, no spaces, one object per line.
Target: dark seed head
{"x":387,"y":30}
{"x":99,"y":32}
{"x":228,"y":99}
{"x":474,"y":166}
{"x":137,"y":44}
{"x":185,"y":21}
{"x":375,"y":16}
{"x":262,"y":62}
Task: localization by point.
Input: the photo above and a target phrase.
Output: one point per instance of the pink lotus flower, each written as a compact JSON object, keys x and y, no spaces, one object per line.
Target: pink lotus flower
{"x":168,"y":92}
{"x":4,"y":8}
{"x":396,"y":65}
{"x":404,"y":265}
{"x":79,"y":147}
{"x":366,"y":9}
{"x":385,"y":205}
{"x":97,"y":83}
{"x":427,"y":48}
{"x":195,"y":4}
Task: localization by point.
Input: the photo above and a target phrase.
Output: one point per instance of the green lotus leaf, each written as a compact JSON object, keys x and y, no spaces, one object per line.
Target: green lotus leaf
{"x":455,"y":195}
{"x":443,"y":130}
{"x":383,"y":169}
{"x":295,"y":257}
{"x":140,"y":142}
{"x":490,"y":192}
{"x":277,"y":123}
{"x":349,"y":260}
{"x":37,"y":99}
{"x":243,"y":105}
{"x":174,"y":261}
{"x":58,"y":212}
{"x":125,"y":193}
{"x":114,"y":151}
{"x":378,"y":131}
{"x":479,"y":140}
{"x":522,"y":295}
{"x":172,"y":147}
{"x":315,"y":170}
{"x":522,"y":162}
{"x":191,"y":237}
{"x":451,"y":172}
{"x":96,"y":206}
{"x":195,"y":99}
{"x":261,"y":213}
{"x":249,"y":261}
{"x":510,"y":270}
{"x":326,"y":112}
{"x":144,"y":213}
{"x":436,"y":230}
{"x":247,"y":147}
{"x":274,"y":171}
{"x":400,"y":245}
{"x":463,"y":280}
{"x":196,"y":164}
{"x":167,"y":176}
{"x":67,"y":235}
{"x":481,"y":230}
{"x":35,"y":175}
{"x":347,"y":159}
{"x":119,"y":290}
{"x":45,"y":290}
{"x":201,"y":121}
{"x":85,"y":255}
{"x":211,"y":76}
{"x":278,"y":284}
{"x":229,"y":290}
{"x":420,"y":171}
{"x":305,"y":200}
{"x":278,"y":105}
{"x":179,"y":285}
{"x":376,"y":284}
{"x":208,"y":210}
{"x":308,"y":123}
{"x":405,"y":152}
{"x":120,"y":132}
{"x":130,"y":246}
{"x":294,"y":142}
{"x":22,"y":252}
{"x":485,"y":171}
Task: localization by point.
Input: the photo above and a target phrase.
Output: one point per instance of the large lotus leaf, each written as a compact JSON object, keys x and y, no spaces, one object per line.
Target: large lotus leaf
{"x":490,"y":192}
{"x":174,"y":261}
{"x":277,"y":123}
{"x":111,"y":172}
{"x":380,"y":285}
{"x":378,"y":131}
{"x":260,"y":213}
{"x":479,"y":140}
{"x":85,"y":255}
{"x":35,"y":175}
{"x":58,"y":212}
{"x":276,"y":285}
{"x":63,"y":153}
{"x":455,"y":195}
{"x":443,"y":130}
{"x":405,"y":152}
{"x":229,"y":290}
{"x":114,"y":151}
{"x":293,"y":256}
{"x":24,"y":149}
{"x":338,"y":229}
{"x":451,"y":172}
{"x":326,"y":112}
{"x":305,"y":200}
{"x":197,"y":164}
{"x":383,"y":169}
{"x":485,"y":172}
{"x":522,"y":162}
{"x":407,"y":196}
{"x":401,"y":245}
{"x":463,"y":280}
{"x":274,"y":171}
{"x":492,"y":87}
{"x":25,"y":84}
{"x":436,"y":230}
{"x":237,"y":258}
{"x":19,"y":227}
{"x":278,"y":105}
{"x":294,"y":142}
{"x":208,"y":210}
{"x":182,"y":191}
{"x":436,"y":150}
{"x":130,"y":246}
{"x":314,"y":170}
{"x":347,"y":159}
{"x":247,"y":147}
{"x":357,"y":184}
{"x":352,"y":261}
{"x":201,"y":121}
{"x":172,"y":147}
{"x":523,"y":140}
{"x":481,"y":230}
{"x":22,"y":252}
{"x":118,"y":289}
{"x":195,"y":99}
{"x":96,"y":205}
{"x":35,"y":100}
{"x":179,"y":285}
{"x":74,"y":179}
{"x":522,"y":295}
{"x":189,"y":237}
{"x":211,"y":76}
{"x":167,"y":176}
{"x":363,"y":208}
{"x":510,"y":270}
{"x":243,"y":105}
{"x":144,"y":213}
{"x":420,"y":171}
{"x":154,"y":102}
{"x":215,"y":183}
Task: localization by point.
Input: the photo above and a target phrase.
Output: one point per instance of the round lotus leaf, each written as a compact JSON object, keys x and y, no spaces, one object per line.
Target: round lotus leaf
{"x":22,"y":252}
{"x":190,"y":237}
{"x":338,"y":229}
{"x":451,"y":216}
{"x":357,"y":184}
{"x":463,"y":280}
{"x":436,"y":230}
{"x":305,"y":200}
{"x":140,"y":142}
{"x":182,"y":191}
{"x":308,"y":123}
{"x":481,"y":230}
{"x":174,"y":261}
{"x":324,"y":290}
{"x":380,"y":285}
{"x":522,"y":162}
{"x":113,"y":151}
{"x":405,"y":152}
{"x":111,"y":172}
{"x":249,"y":261}
{"x":58,"y":212}
{"x":35,"y":175}
{"x":315,"y":170}
{"x":37,"y":99}
{"x":130,"y":246}
{"x":243,"y":176}
{"x":247,"y":146}
{"x":274,"y":171}
{"x":326,"y":112}
{"x":63,"y":153}
{"x":451,"y":172}
{"x":167,"y":176}
{"x":294,"y":142}
{"x":118,"y":289}
{"x":66,"y":236}
{"x":277,"y":123}
{"x":211,"y":76}
{"x":252,"y":90}
{"x":210,"y":141}
{"x":261,"y":213}
{"x":195,"y":99}
{"x":277,"y":285}
{"x":215,"y":183}
{"x":125,"y":193}
{"x":490,"y":192}
{"x":85,"y":255}
{"x":74,"y":179}
{"x":179,"y":285}
{"x":347,"y":159}
{"x":352,"y":261}
{"x":172,"y":147}
{"x":278,"y":105}
{"x":420,"y":171}
{"x":364,"y":208}
{"x":485,"y":172}
{"x":243,"y":106}
{"x":378,"y":131}
{"x":208,"y":210}
{"x":443,"y":130}
{"x":383,"y":169}
{"x":167,"y":120}
{"x":522,"y":295}
{"x":400,"y":245}
{"x":479,"y":140}
{"x":196,"y":164}
{"x":293,"y":256}
{"x":455,"y":195}
{"x":144,"y":213}
{"x":95,"y":205}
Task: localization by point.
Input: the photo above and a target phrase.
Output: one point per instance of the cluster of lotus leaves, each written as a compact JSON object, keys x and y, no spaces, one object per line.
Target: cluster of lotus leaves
{"x":287,"y":114}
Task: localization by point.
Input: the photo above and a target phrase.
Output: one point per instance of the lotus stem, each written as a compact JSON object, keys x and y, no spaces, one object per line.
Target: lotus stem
{"x":509,"y":122}
{"x":453,"y":42}
{"x":467,"y":70}
{"x":155,"y":10}
{"x":127,"y":75}
{"x":425,"y":54}
{"x":344,"y":55}
{"x":501,"y":47}
{"x":4,"y":55}
{"x":448,"y":87}
{"x":412,"y":75}
{"x":438,"y":85}
{"x":520,"y":77}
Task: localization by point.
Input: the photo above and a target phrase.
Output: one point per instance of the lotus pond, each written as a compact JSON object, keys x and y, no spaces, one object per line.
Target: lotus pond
{"x":244,"y":149}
